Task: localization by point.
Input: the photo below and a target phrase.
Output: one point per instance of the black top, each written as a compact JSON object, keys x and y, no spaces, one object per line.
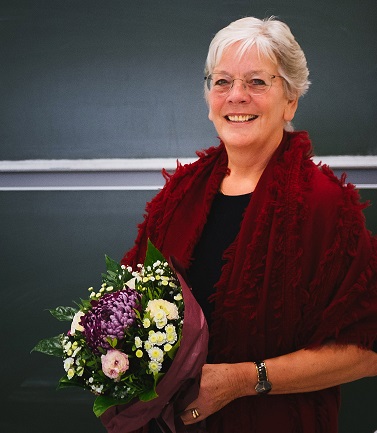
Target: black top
{"x":222,"y":227}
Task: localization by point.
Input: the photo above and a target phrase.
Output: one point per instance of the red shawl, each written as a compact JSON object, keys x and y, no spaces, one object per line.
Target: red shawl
{"x":301,"y":271}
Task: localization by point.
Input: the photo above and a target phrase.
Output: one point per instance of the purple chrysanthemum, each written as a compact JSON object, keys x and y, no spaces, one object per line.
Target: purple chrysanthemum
{"x":109,"y":317}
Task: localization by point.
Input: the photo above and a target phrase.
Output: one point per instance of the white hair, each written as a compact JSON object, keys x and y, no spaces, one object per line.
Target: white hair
{"x":274,"y":40}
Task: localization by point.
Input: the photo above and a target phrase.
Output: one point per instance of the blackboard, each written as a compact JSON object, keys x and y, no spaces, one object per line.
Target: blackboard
{"x":123,"y":79}
{"x":52,"y":250}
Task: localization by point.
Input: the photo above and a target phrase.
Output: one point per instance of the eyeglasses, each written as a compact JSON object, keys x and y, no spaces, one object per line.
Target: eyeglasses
{"x":257,"y":83}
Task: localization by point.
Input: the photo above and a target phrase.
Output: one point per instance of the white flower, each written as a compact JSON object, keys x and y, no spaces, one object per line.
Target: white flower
{"x":171,"y":338}
{"x":171,"y":334}
{"x":152,"y":338}
{"x":155,"y":366}
{"x":138,"y":342}
{"x":75,"y":325}
{"x":160,"y":315}
{"x":131,"y":283}
{"x":161,"y":323}
{"x":68,"y":363}
{"x":167,"y":347}
{"x":161,"y":338}
{"x":170,"y":328}
{"x":76,"y":351}
{"x":156,"y":305}
{"x":156,"y":354}
{"x":147,"y":345}
{"x":67,"y":345}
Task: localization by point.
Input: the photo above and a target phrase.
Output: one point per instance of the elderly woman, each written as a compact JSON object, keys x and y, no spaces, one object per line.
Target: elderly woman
{"x":275,"y":248}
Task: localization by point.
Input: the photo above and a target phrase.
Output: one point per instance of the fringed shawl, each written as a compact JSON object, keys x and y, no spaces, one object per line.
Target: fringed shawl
{"x":302,"y":271}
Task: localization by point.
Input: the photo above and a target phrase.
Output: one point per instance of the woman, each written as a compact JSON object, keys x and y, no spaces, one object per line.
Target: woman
{"x":275,"y":247}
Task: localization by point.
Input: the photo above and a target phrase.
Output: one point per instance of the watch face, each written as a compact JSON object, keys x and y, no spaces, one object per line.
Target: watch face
{"x":263,"y":387}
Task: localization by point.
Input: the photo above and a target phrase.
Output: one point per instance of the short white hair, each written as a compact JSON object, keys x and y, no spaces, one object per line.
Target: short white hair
{"x":274,"y":40}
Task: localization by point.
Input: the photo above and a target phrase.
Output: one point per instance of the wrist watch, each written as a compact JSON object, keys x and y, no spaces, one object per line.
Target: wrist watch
{"x":263,"y":386}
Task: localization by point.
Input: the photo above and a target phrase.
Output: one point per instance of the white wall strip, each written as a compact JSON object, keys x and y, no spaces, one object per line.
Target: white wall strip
{"x":68,"y":165}
{"x":147,"y":164}
{"x":82,"y":188}
{"x":139,"y":174}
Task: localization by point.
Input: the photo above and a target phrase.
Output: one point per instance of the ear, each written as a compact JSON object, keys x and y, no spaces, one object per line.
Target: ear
{"x":290,"y":109}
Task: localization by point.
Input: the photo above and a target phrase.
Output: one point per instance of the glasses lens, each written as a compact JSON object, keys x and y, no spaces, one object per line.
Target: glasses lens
{"x":256,"y":83}
{"x":219,"y":82}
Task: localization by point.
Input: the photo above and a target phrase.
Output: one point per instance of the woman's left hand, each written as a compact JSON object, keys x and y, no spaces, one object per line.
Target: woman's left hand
{"x":219,"y":385}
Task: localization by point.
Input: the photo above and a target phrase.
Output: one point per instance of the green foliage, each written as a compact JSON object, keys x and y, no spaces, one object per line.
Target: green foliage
{"x":50,"y":346}
{"x":148,"y":395}
{"x":64,"y":383}
{"x":103,"y":402}
{"x":115,"y":276}
{"x":153,"y":255}
{"x":64,"y":314}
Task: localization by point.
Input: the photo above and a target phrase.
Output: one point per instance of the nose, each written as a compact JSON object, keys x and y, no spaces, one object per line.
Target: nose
{"x":238,"y":92}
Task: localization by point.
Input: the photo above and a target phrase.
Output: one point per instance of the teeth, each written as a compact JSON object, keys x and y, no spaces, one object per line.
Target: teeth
{"x":242,"y":118}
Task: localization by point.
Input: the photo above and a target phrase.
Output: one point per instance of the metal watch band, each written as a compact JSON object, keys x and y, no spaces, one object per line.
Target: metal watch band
{"x":263,"y":386}
{"x":261,"y":370}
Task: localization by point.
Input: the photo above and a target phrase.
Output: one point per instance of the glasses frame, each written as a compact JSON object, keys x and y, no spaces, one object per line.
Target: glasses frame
{"x":209,"y":77}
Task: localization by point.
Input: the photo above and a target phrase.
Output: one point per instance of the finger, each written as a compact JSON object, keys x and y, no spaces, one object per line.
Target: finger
{"x":191,"y":415}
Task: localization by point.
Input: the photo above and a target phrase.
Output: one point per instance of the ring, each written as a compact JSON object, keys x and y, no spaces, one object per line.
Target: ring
{"x":195,"y":413}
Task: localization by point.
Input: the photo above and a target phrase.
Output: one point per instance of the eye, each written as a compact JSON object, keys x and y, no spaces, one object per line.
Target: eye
{"x":222,"y":82}
{"x":256,"y":82}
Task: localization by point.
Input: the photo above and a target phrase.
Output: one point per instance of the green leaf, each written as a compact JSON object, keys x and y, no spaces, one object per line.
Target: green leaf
{"x":112,"y":265}
{"x":64,"y":314}
{"x":152,"y":255}
{"x":85,"y":304}
{"x":65,"y":383}
{"x":148,"y":395}
{"x":173,"y":350}
{"x":112,"y":341}
{"x":102,"y":403}
{"x":50,"y":346}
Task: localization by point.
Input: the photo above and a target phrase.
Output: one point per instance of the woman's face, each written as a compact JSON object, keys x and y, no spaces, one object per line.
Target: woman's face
{"x":242,"y":119}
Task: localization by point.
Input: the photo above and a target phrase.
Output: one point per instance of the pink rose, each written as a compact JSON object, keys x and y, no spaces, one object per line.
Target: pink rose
{"x":114,"y":364}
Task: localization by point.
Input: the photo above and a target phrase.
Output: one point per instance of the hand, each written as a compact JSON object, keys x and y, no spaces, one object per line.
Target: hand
{"x":219,"y":385}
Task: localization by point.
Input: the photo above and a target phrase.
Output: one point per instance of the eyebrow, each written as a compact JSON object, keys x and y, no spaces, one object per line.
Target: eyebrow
{"x":247,"y":73}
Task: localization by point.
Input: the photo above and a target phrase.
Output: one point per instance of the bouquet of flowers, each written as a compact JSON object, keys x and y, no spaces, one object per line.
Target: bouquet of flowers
{"x":124,"y":340}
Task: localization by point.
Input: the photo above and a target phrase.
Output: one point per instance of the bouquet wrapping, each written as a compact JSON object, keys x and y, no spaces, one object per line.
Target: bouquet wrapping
{"x":138,"y":344}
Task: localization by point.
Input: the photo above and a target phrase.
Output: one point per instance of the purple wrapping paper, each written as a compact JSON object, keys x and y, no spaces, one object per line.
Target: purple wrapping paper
{"x":179,"y":386}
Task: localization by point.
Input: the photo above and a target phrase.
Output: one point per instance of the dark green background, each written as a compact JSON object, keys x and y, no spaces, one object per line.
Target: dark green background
{"x":52,"y":250}
{"x":122,"y":78}
{"x":119,"y":78}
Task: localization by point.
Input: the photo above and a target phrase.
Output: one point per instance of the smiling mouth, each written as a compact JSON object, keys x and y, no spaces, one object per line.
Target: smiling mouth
{"x":242,"y":118}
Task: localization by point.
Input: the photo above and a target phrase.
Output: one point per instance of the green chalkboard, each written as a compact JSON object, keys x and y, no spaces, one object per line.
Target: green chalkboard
{"x":52,"y":250}
{"x":119,"y":78}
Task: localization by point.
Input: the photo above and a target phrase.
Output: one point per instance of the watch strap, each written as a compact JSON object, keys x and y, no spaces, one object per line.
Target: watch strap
{"x":263,"y":385}
{"x":261,"y":370}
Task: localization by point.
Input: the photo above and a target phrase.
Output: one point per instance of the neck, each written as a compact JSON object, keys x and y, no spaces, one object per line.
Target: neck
{"x":246,"y":167}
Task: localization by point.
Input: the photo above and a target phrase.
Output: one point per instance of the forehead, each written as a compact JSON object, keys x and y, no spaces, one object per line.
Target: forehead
{"x":233,"y":60}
